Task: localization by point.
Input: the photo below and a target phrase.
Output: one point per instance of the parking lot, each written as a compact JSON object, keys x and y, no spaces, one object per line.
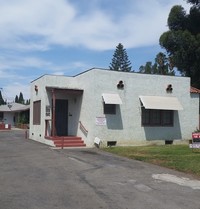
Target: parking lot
{"x":35,"y":176}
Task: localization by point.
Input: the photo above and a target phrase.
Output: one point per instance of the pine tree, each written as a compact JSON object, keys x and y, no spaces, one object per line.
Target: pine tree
{"x":27,"y":102}
{"x":16,"y":99}
{"x":21,"y":98}
{"x":120,"y":61}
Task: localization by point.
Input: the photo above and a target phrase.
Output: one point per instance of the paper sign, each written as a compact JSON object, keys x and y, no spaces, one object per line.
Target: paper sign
{"x":100,"y":121}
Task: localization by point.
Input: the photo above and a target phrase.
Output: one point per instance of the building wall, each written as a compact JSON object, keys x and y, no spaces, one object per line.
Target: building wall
{"x":193,"y":114}
{"x":124,"y":127}
{"x":9,"y":118}
{"x":74,"y":103}
{"x":37,"y":132}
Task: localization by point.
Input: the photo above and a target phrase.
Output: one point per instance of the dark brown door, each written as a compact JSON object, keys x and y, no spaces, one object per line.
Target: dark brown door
{"x":61,"y":116}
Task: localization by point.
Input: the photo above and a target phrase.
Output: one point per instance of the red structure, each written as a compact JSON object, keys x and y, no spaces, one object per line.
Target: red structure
{"x":4,"y":126}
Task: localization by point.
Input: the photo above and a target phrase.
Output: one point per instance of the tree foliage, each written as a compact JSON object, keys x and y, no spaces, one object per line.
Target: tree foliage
{"x":2,"y":102}
{"x":27,"y":102}
{"x":163,"y":66}
{"x":196,"y":2}
{"x":182,"y":41}
{"x":16,"y":99}
{"x":20,"y":99}
{"x":120,"y":60}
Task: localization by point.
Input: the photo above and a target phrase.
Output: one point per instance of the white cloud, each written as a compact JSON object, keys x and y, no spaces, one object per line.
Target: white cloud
{"x":69,"y":68}
{"x":10,"y":66}
{"x":14,"y":81}
{"x":21,"y":62}
{"x":36,"y":25}
{"x":15,"y":89}
{"x":4,"y":74}
{"x":41,"y":19}
{"x":31,"y":26}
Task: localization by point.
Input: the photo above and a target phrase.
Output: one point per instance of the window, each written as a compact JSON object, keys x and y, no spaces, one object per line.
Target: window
{"x":36,"y":112}
{"x":109,"y":108}
{"x":152,"y":117}
{"x":167,"y":118}
{"x":155,"y":117}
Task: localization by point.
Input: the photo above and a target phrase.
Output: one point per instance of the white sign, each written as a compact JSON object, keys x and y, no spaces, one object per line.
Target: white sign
{"x":195,"y":145}
{"x":97,"y":140}
{"x":100,"y":121}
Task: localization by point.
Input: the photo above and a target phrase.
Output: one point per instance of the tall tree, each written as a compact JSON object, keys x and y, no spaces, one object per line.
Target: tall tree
{"x":21,"y":98}
{"x":120,"y":60}
{"x":16,"y":99}
{"x":147,"y":68}
{"x":193,"y":1}
{"x":182,"y":41}
{"x":27,"y":102}
{"x":163,"y":66}
{"x":2,"y":102}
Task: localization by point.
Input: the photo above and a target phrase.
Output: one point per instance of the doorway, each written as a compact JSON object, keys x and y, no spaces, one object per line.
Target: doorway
{"x":61,"y":117}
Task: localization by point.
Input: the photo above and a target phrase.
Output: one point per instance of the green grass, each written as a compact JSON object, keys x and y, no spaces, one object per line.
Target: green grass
{"x":178,"y":157}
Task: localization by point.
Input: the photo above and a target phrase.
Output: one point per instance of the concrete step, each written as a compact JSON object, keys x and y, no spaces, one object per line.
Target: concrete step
{"x":71,"y":145}
{"x":68,"y":141}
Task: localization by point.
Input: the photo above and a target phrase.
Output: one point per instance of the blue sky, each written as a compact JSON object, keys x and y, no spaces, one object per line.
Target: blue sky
{"x":66,"y":37}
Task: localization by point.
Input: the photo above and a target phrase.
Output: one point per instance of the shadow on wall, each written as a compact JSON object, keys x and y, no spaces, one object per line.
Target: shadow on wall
{"x":115,"y":121}
{"x":73,"y":100}
{"x":77,"y":116}
{"x":164,"y":133}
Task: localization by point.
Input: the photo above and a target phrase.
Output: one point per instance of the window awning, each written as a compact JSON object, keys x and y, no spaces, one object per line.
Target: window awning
{"x":161,"y":103}
{"x":111,"y":98}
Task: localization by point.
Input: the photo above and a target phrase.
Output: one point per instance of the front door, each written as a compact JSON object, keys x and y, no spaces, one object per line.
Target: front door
{"x":61,"y":117}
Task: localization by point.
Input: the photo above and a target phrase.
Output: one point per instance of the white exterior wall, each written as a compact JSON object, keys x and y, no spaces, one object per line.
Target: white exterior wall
{"x":89,"y":106}
{"x":9,"y":118}
{"x":124,"y":127}
{"x":37,"y":132}
{"x":193,"y":121}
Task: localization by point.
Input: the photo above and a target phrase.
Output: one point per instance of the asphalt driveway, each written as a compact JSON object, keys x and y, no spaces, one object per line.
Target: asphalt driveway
{"x":35,"y":176}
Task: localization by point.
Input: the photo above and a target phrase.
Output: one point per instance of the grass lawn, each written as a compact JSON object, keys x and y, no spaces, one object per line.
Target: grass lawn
{"x":178,"y":157}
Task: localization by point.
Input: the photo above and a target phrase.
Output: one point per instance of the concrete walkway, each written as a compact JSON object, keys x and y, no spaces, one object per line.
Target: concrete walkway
{"x":34,"y":176}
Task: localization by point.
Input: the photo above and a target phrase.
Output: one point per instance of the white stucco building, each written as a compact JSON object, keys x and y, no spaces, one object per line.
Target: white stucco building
{"x":12,"y":112}
{"x":115,"y":107}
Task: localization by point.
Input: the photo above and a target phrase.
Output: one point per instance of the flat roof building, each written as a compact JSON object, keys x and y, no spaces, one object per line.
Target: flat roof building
{"x":112,"y":107}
